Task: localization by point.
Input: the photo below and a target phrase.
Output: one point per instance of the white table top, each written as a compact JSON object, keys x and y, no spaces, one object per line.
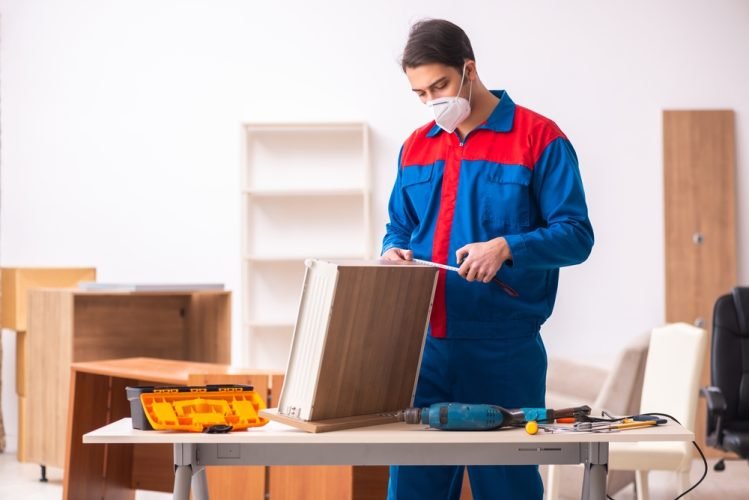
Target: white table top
{"x":396,"y":433}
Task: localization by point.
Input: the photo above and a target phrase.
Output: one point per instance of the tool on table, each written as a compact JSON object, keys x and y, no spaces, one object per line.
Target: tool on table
{"x":507,"y":288}
{"x":613,"y":426}
{"x":213,"y":409}
{"x":483,"y":417}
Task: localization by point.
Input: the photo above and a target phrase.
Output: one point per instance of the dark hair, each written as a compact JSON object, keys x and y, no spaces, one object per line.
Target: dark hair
{"x":436,"y":41}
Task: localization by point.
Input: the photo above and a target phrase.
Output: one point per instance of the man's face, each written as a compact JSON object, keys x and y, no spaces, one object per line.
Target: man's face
{"x":432,"y":81}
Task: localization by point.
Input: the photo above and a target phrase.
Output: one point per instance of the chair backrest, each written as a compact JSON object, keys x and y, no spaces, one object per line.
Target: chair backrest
{"x":622,"y":390}
{"x":729,"y":363}
{"x":672,"y":372}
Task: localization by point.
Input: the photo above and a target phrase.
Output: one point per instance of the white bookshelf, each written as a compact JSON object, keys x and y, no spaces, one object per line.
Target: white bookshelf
{"x":305,"y":194}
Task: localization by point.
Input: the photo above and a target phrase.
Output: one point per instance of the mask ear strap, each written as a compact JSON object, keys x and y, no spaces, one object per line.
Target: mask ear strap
{"x":470,"y":85}
{"x":462,"y":79}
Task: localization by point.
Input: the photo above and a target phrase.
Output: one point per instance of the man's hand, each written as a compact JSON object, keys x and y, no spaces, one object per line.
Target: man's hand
{"x":398,"y":254}
{"x":481,"y":261}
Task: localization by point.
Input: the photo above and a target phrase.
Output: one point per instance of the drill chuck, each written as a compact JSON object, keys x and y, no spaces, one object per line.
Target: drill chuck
{"x":411,"y":415}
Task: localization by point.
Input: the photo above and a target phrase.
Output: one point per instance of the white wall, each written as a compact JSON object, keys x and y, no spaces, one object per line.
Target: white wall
{"x":121,"y":143}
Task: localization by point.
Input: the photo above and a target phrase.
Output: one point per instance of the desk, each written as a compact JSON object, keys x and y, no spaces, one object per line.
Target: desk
{"x":397,"y":443}
{"x":115,"y":472}
{"x":97,"y":397}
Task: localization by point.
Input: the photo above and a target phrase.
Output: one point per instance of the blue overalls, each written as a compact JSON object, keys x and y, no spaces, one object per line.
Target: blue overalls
{"x":514,"y":176}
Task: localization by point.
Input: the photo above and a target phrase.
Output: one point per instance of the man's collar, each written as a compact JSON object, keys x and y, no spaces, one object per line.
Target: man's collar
{"x":499,"y":121}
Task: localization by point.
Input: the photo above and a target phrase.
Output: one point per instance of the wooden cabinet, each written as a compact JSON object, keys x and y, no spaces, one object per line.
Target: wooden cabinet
{"x":16,"y":283}
{"x":66,"y":326}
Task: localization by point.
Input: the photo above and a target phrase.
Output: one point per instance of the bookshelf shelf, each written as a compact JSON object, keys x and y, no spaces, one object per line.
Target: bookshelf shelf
{"x":295,"y":259}
{"x":305,"y":194}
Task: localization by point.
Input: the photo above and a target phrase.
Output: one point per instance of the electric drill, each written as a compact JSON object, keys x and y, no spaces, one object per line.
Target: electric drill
{"x":482,"y":417}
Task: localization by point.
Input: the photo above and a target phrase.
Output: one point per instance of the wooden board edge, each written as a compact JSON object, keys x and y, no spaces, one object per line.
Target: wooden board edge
{"x":332,"y":424}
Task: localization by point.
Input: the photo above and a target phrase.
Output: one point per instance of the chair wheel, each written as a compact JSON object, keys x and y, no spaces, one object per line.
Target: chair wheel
{"x":720,"y":465}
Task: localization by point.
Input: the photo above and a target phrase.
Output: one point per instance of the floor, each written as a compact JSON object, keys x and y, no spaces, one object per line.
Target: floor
{"x":19,"y":480}
{"x":730,"y":484}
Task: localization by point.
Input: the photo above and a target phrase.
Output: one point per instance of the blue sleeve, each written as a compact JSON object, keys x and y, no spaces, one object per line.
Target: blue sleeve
{"x":566,"y":236}
{"x":402,"y":219}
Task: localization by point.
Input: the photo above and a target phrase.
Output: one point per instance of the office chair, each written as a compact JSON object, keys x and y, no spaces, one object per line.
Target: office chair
{"x":728,"y":396}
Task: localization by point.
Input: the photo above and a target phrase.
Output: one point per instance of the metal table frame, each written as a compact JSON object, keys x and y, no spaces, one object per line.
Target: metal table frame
{"x":381,"y":445}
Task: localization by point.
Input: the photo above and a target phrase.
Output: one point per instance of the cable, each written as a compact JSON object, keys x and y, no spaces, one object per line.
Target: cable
{"x":704,"y":460}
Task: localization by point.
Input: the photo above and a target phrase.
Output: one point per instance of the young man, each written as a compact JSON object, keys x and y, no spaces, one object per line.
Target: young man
{"x":494,"y":188}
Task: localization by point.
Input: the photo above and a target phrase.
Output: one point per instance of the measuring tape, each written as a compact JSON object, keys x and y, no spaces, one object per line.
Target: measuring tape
{"x":507,"y":288}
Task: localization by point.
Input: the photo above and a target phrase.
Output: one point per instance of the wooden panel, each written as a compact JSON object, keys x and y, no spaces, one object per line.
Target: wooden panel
{"x":163,"y":371}
{"x":21,"y":362}
{"x":21,"y":451}
{"x":48,"y":377}
{"x":208,"y":328}
{"x":153,"y":467}
{"x":16,"y":282}
{"x":126,"y":325}
{"x":331,"y":424}
{"x":360,"y":324}
{"x":118,"y":462}
{"x":386,"y":339}
{"x":276,"y":383}
{"x":370,"y":483}
{"x":292,"y":483}
{"x":84,"y":477}
{"x":700,"y":202}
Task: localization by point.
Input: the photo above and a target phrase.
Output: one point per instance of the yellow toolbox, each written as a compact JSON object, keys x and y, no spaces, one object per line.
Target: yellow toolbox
{"x":210,"y":408}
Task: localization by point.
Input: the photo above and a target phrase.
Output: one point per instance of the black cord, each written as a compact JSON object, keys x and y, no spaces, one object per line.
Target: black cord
{"x":704,"y":460}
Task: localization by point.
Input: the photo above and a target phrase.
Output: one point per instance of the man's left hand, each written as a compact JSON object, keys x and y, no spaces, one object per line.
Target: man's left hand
{"x":481,"y":261}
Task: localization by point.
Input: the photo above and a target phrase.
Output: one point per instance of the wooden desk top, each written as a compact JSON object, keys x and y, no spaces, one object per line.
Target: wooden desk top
{"x":164,"y":371}
{"x":398,"y":433}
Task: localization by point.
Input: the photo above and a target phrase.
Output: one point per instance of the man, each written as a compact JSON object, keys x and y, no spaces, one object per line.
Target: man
{"x":494,"y":188}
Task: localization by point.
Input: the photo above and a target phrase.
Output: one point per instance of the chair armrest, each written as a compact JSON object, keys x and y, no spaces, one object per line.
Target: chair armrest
{"x":716,"y":410}
{"x":716,"y":402}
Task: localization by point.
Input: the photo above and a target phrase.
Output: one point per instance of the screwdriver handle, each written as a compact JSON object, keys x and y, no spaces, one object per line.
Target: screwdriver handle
{"x":574,"y":412}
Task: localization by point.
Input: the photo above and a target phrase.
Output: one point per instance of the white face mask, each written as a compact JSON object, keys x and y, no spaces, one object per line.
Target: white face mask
{"x":449,"y":112}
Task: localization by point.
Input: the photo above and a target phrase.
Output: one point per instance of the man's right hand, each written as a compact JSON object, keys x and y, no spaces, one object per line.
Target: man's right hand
{"x":398,"y":254}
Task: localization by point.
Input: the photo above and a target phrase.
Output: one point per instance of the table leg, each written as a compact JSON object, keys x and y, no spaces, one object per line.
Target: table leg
{"x":199,"y":483}
{"x":596,"y":467}
{"x":186,"y":471}
{"x":182,"y":477}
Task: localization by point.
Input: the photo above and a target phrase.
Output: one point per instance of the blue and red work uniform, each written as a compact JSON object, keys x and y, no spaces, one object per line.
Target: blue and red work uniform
{"x":514,"y":176}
